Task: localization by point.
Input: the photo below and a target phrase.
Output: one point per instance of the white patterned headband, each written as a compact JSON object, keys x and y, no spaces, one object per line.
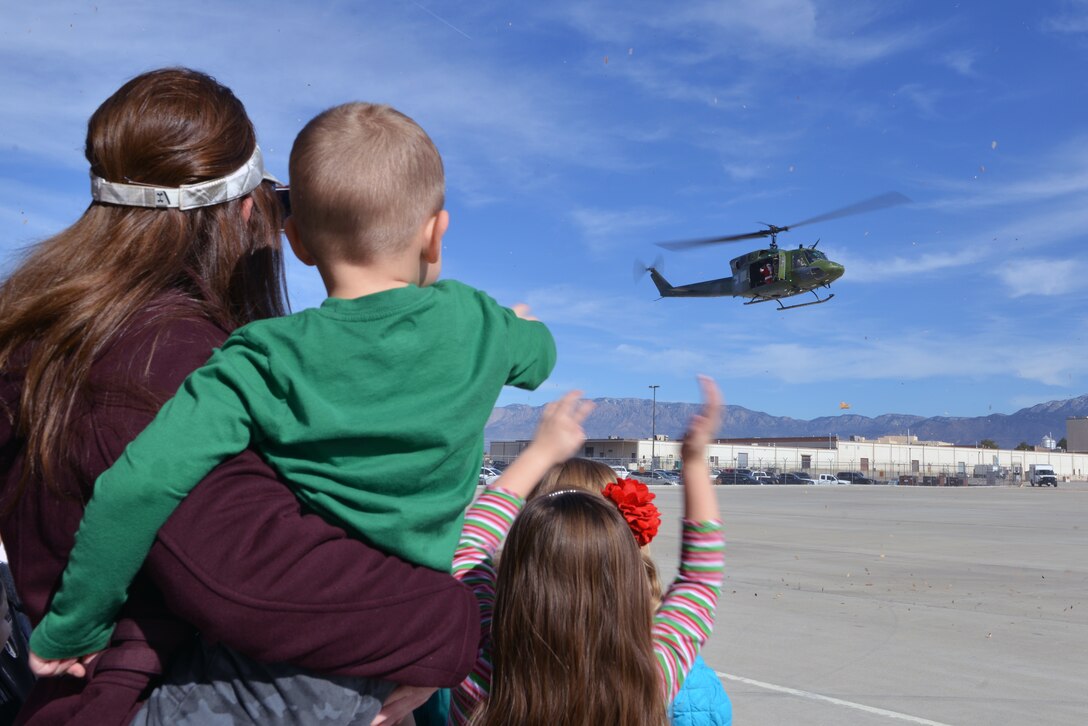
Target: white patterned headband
{"x":188,"y":196}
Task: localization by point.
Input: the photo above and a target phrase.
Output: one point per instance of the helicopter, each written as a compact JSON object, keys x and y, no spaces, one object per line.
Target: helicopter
{"x":771,"y":273}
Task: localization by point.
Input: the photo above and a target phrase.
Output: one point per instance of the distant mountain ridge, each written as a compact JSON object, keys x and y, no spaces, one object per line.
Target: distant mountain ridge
{"x":630,"y":418}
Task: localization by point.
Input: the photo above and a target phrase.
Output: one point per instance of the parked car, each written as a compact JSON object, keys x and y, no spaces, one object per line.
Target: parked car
{"x":798,"y":477}
{"x":488,"y":475}
{"x":667,"y":475}
{"x":736,"y":476}
{"x":762,"y":477}
{"x":829,"y":479}
{"x":658,"y":476}
{"x":854,"y":477}
{"x":621,"y":471}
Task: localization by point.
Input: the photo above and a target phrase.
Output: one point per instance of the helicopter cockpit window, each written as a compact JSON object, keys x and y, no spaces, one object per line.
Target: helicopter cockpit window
{"x":817,"y":255}
{"x":803,"y":257}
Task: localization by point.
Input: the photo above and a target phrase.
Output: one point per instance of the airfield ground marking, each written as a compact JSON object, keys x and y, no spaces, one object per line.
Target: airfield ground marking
{"x":830,"y":699}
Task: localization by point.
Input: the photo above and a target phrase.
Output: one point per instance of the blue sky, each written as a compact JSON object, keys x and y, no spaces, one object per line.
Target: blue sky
{"x":577,"y":134}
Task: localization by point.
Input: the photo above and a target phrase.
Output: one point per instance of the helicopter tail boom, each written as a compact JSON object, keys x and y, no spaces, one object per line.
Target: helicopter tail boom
{"x":710,"y":288}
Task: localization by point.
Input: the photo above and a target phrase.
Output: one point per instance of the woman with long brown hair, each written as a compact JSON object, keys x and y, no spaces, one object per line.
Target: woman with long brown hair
{"x":571,"y":634}
{"x":98,"y":326}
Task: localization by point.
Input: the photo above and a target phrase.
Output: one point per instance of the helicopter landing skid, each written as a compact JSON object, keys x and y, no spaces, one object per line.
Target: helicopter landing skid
{"x":819,"y":300}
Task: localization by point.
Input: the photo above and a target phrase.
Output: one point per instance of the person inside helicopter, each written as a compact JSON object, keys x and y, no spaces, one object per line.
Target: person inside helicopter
{"x":762,"y":272}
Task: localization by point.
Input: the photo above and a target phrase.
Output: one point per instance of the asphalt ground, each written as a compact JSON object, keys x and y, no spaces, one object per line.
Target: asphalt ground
{"x":883,"y":605}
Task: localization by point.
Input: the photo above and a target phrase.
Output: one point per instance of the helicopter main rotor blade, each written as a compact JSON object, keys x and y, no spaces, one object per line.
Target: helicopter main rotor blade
{"x":888,"y":199}
{"x":686,"y":244}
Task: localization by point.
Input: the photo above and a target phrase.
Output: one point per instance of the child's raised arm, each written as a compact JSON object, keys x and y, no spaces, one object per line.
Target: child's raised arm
{"x":558,"y":437}
{"x":700,"y":503}
{"x":686,"y":616}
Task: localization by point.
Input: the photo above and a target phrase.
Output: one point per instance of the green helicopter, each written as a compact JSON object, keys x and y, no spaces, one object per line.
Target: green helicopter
{"x":771,"y":273}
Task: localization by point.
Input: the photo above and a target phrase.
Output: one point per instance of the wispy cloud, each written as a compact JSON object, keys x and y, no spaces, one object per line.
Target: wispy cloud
{"x":1041,"y":207}
{"x":961,"y":61}
{"x":1063,"y":172}
{"x":590,"y":309}
{"x":504,"y":118}
{"x":911,"y":356}
{"x":1072,"y":19}
{"x":863,"y":351}
{"x":922,"y":98}
{"x":1046,"y":277}
{"x":1002,"y":241}
{"x":608,"y":230}
{"x":780,"y":30}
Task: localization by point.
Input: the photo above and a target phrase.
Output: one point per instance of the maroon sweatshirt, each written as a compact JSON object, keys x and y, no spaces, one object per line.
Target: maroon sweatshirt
{"x":239,"y":561}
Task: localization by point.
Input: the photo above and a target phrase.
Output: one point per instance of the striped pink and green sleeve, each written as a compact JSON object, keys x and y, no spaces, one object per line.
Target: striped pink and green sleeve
{"x":686,"y":616}
{"x":486,"y":524}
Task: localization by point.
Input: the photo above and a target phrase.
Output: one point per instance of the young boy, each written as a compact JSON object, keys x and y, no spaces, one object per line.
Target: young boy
{"x":371,"y":407}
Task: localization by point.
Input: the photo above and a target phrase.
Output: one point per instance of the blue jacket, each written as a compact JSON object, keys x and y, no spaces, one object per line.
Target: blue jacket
{"x":702,"y":700}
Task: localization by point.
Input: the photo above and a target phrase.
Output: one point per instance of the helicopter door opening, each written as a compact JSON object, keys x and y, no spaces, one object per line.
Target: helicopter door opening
{"x":763,"y":272}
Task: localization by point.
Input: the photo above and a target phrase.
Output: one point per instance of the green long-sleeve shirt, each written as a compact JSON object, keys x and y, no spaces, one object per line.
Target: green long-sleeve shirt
{"x":371,"y":409}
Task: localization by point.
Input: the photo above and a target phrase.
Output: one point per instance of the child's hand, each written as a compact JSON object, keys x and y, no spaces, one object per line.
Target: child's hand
{"x":700,"y":502}
{"x":558,"y":437}
{"x":76,"y":667}
{"x":523,"y":312}
{"x":559,"y":434}
{"x":705,"y":424}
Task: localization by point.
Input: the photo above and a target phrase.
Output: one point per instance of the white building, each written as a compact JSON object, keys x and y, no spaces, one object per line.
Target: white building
{"x":888,"y":458}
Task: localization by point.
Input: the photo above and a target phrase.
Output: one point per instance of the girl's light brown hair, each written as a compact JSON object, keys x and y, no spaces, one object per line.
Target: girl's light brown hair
{"x":74,"y":293}
{"x":593,"y":476}
{"x":575,"y":473}
{"x":571,"y":634}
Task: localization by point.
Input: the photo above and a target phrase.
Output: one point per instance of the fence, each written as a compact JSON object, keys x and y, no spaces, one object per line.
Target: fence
{"x":908,"y":474}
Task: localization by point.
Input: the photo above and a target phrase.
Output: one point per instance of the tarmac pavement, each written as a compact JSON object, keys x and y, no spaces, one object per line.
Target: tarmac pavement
{"x":881,"y":605}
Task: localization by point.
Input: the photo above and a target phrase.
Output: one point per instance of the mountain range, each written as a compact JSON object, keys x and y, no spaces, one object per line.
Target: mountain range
{"x":631,"y":418}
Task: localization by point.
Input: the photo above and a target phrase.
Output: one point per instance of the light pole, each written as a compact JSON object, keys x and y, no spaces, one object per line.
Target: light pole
{"x":653,"y":430}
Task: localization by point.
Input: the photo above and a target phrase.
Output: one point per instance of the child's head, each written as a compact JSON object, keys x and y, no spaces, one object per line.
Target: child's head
{"x":575,"y":473}
{"x":364,"y":179}
{"x":593,"y":476}
{"x":573,"y":618}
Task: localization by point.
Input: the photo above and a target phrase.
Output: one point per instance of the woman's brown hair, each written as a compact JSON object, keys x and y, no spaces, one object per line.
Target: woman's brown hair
{"x":571,"y":634}
{"x":76,"y":292}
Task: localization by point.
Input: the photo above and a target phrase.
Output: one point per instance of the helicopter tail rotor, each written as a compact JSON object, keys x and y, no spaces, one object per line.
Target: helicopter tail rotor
{"x":641,"y":268}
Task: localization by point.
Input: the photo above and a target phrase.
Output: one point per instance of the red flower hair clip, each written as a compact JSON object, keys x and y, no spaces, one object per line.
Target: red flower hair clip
{"x":636,"y":503}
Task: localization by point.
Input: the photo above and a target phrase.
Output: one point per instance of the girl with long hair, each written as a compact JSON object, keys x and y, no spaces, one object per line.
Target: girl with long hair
{"x":570,"y":632}
{"x":702,"y":700}
{"x":99,"y":325}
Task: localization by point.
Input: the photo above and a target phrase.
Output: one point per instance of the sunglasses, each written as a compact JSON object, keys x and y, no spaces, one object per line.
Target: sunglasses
{"x":283,"y":194}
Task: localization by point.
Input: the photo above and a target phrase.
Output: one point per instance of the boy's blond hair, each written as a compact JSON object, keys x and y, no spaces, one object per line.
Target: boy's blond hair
{"x":364,"y":177}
